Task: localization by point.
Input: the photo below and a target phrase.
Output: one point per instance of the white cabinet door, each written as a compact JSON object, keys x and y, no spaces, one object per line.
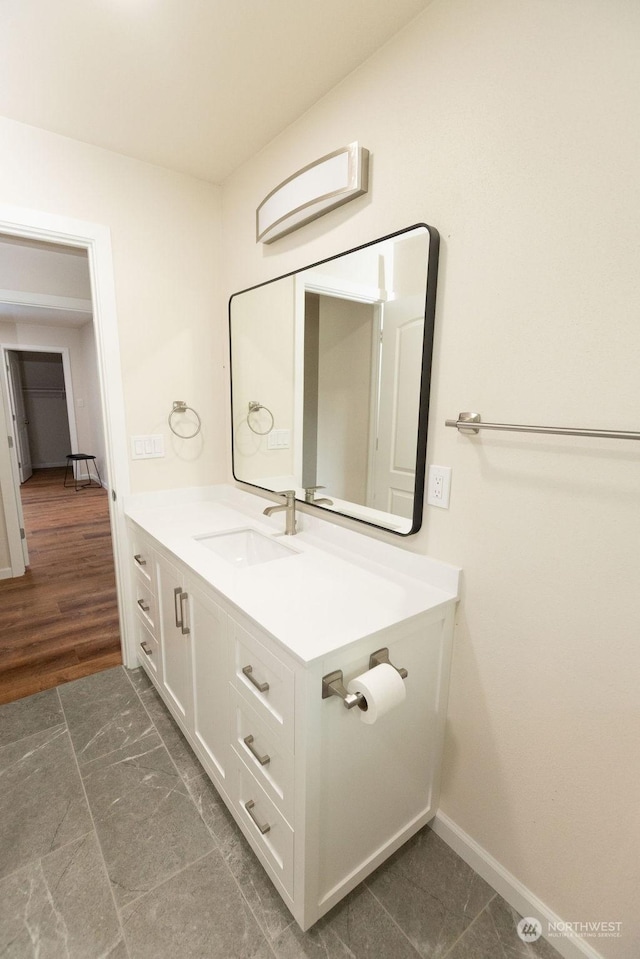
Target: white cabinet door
{"x":210,"y":681}
{"x":176,"y":639}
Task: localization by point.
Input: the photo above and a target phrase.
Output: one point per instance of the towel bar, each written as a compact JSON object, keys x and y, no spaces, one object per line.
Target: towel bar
{"x":471,"y":423}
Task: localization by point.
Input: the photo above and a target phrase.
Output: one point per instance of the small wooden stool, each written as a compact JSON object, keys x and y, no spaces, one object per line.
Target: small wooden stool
{"x":78,"y":458}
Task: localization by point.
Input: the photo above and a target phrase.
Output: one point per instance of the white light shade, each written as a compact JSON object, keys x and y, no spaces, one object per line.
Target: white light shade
{"x":312,"y":191}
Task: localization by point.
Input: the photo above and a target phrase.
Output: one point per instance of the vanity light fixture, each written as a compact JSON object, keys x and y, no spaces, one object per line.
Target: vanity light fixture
{"x":315,"y":189}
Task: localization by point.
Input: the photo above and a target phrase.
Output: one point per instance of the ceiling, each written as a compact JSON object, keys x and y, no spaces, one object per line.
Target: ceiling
{"x":198,"y":86}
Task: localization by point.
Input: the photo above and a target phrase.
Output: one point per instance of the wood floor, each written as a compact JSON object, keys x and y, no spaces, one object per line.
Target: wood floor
{"x":59,"y":621}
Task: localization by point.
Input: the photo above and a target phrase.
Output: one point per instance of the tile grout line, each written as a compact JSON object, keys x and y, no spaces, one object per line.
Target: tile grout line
{"x":172,"y":875}
{"x":51,"y":852}
{"x":213,"y":837}
{"x":46,"y":855}
{"x":36,"y":732}
{"x":392,"y":918}
{"x":95,"y":831}
{"x":467,"y":928}
{"x":499,"y":937}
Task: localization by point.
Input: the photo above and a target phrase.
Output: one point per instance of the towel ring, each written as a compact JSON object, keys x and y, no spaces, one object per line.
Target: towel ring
{"x":179,"y":406}
{"x":254,"y":407}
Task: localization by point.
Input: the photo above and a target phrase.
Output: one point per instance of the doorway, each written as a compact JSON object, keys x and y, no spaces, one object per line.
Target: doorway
{"x":38,"y":392}
{"x":105,"y":400}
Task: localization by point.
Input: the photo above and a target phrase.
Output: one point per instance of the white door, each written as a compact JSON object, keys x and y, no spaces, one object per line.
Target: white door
{"x":10,"y":481}
{"x":176,"y":639}
{"x":211,"y":672}
{"x":19,"y":414}
{"x":400,"y":373}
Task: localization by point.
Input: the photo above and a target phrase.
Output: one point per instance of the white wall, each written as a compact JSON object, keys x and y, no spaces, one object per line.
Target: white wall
{"x":263,"y":372}
{"x":43,"y":269}
{"x":89,"y":416}
{"x":513,"y":128}
{"x":165,"y":238}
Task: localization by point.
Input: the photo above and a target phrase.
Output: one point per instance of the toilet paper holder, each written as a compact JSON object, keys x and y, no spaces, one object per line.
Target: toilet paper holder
{"x":333,"y":683}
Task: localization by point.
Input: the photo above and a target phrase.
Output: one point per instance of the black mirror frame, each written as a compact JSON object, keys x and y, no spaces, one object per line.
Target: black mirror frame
{"x":425,"y":378}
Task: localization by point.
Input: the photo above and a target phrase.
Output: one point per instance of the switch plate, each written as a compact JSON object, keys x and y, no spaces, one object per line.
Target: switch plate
{"x":279,"y":440}
{"x":439,"y":486}
{"x":147,"y":447}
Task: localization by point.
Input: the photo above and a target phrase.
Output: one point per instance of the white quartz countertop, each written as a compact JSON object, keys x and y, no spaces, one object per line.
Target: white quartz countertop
{"x":335,"y":588}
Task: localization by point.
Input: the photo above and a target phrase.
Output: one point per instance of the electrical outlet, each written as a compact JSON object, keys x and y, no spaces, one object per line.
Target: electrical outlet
{"x":439,"y":486}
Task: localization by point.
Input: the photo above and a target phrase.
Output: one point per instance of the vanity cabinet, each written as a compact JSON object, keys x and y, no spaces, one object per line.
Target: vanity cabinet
{"x":322,"y":797}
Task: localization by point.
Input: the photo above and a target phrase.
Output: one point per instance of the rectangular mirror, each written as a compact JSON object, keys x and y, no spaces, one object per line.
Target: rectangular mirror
{"x":330,"y":378}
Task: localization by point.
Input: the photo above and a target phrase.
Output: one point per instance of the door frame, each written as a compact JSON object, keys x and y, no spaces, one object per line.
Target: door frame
{"x":95,"y":238}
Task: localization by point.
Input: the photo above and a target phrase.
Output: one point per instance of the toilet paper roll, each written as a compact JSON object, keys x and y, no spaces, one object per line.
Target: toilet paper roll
{"x":382,"y":687}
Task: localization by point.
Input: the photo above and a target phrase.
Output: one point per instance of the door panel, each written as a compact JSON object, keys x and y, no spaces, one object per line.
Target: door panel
{"x":176,"y":638}
{"x":400,"y":372}
{"x":21,"y":423}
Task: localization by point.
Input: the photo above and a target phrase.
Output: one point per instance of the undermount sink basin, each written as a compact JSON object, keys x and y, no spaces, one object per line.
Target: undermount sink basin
{"x":245,"y":547}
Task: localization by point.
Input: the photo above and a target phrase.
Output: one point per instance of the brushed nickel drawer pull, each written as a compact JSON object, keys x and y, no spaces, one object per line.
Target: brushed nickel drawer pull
{"x":177,"y":592}
{"x":185,"y":629}
{"x":146,"y":650}
{"x":140,"y":560}
{"x":261,"y":687}
{"x":263,"y":760}
{"x":249,"y":807}
{"x":143,"y":606}
{"x":178,"y":598}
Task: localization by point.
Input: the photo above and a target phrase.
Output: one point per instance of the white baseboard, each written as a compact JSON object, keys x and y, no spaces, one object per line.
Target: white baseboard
{"x":510,"y":888}
{"x":6,"y":573}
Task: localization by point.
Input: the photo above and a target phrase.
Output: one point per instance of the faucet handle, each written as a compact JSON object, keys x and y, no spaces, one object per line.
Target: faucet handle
{"x":289,"y":494}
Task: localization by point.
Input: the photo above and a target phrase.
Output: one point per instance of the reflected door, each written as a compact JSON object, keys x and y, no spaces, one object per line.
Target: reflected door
{"x":400,"y":372}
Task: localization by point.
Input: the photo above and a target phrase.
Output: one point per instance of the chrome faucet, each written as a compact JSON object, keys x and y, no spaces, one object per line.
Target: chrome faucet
{"x":309,"y":496}
{"x":290,"y":506}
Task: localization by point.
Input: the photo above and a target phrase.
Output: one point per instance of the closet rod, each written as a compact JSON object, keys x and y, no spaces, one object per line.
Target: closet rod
{"x":471,"y":423}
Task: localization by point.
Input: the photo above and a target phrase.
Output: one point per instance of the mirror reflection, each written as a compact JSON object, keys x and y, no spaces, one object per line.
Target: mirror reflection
{"x":330,"y":374}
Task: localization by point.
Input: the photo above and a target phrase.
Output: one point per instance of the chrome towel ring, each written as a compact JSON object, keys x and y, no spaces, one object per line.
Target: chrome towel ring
{"x":179,"y":406}
{"x":255,"y":407}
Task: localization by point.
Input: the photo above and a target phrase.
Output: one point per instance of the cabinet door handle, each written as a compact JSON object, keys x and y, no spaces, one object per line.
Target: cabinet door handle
{"x":143,"y":606}
{"x":140,"y":560}
{"x":176,"y":593}
{"x":185,"y":629}
{"x":178,"y":598}
{"x":146,"y":650}
{"x":261,"y":687}
{"x":263,"y":760}
{"x":262,"y":827}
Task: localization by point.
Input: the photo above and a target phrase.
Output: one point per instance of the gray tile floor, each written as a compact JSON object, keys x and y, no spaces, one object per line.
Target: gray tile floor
{"x":114,"y":844}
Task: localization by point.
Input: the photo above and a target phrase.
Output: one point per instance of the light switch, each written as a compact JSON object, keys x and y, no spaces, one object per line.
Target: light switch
{"x":147,"y":447}
{"x":279,"y":440}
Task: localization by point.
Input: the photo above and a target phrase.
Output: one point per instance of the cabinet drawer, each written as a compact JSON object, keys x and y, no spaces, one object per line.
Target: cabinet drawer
{"x":263,"y":752}
{"x":266,"y":828}
{"x":148,"y":650}
{"x":264,"y":681}
{"x":142,"y":559}
{"x":145,"y":603}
